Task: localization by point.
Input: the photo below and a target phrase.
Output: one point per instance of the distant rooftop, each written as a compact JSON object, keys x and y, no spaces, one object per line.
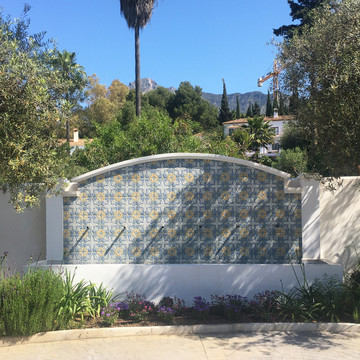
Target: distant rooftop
{"x":266,"y":118}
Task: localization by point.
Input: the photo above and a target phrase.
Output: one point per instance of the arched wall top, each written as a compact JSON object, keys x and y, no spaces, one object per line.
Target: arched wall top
{"x":175,"y":156}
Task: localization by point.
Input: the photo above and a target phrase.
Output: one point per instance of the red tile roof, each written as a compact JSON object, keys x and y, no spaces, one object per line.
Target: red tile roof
{"x":266,"y":118}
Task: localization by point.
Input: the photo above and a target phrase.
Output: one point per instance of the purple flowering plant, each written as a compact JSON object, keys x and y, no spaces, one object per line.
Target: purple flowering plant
{"x":201,"y":307}
{"x":178,"y":305}
{"x":110,"y":313}
{"x":167,"y":314}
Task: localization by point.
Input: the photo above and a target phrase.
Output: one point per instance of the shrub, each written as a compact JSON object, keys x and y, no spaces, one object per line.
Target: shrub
{"x":139,"y":307}
{"x":167,"y":314}
{"x":30,"y":303}
{"x":175,"y":303}
{"x":110,"y":313}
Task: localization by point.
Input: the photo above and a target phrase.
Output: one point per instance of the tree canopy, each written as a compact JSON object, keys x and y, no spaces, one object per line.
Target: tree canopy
{"x":323,"y":62}
{"x":31,"y":94}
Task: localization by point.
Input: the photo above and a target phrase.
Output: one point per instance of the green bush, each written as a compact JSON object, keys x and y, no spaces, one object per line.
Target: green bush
{"x":29,"y":303}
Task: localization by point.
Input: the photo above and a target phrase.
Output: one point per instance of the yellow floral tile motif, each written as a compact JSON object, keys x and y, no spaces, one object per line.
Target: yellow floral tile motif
{"x":280,"y":251}
{"x":118,"y":179}
{"x":189,"y":251}
{"x":154,"y":251}
{"x":118,"y":251}
{"x":226,"y":233}
{"x":83,"y":197}
{"x":243,"y":232}
{"x":244,"y":176}
{"x":136,"y":178}
{"x":153,"y":196}
{"x":189,"y":177}
{"x":226,"y":251}
{"x":82,"y":233}
{"x":83,"y":215}
{"x":171,"y":214}
{"x":189,"y":233}
{"x":262,"y":232}
{"x":189,"y":214}
{"x":171,"y":196}
{"x":208,"y":251}
{"x":101,"y":233}
{"x":225,"y":177}
{"x":262,"y":213}
{"x":208,"y":233}
{"x":261,"y":176}
{"x":263,"y":251}
{"x":154,"y":214}
{"x":189,"y":196}
{"x":66,"y":215}
{"x":225,"y":195}
{"x":100,"y":196}
{"x":207,"y":195}
{"x":244,"y":251}
{"x":83,"y":252}
{"x":244,"y":214}
{"x":136,"y":251}
{"x":135,"y":196}
{"x":280,"y":213}
{"x":172,"y":251}
{"x":207,"y":214}
{"x":136,"y":233}
{"x":297,"y":214}
{"x":118,"y":196}
{"x":153,"y":178}
{"x":225,"y":214}
{"x":66,"y":233}
{"x":280,"y":232}
{"x":101,"y":215}
{"x":243,"y":195}
{"x":136,"y":215}
{"x":298,"y":232}
{"x":118,"y":232}
{"x":207,"y":177}
{"x":262,"y":195}
{"x":118,"y":215}
{"x":171,"y":178}
{"x":153,"y":233}
{"x":171,"y":233}
{"x":100,"y":178}
{"x":101,"y":251}
{"x":279,"y":195}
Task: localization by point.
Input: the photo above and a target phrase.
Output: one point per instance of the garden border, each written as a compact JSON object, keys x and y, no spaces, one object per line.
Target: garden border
{"x":181,"y":330}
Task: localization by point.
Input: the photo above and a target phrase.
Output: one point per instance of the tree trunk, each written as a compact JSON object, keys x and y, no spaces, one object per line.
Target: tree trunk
{"x":137,"y":71}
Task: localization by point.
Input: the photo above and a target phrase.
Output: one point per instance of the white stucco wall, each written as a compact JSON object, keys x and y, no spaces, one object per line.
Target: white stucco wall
{"x":22,"y":235}
{"x":340,"y":223}
{"x":187,"y":281}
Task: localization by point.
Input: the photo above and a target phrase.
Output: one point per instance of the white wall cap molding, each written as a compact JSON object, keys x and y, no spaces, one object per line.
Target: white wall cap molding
{"x":175,"y":156}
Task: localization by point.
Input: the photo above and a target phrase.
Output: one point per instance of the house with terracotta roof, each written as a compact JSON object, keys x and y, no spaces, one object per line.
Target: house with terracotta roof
{"x":276,"y":122}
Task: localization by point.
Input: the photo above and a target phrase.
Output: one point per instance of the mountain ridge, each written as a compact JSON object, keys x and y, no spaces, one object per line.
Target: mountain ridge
{"x":147,"y":84}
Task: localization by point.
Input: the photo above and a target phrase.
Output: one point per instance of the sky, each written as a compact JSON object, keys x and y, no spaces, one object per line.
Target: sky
{"x":201,"y":41}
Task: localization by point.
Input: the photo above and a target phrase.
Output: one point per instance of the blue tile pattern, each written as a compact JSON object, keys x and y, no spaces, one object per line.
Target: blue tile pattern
{"x":183,"y":212}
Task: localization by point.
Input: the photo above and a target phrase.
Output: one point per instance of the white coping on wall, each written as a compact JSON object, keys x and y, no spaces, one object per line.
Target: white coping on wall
{"x":71,"y":190}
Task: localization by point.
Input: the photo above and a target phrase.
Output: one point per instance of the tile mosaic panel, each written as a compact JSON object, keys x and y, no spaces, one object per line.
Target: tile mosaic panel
{"x":183,"y":212}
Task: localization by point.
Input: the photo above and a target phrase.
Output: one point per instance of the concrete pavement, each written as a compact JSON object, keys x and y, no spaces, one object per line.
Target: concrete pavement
{"x":189,"y":343}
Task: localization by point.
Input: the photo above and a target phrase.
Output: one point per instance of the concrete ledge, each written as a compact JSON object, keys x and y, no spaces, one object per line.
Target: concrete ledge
{"x":82,"y":334}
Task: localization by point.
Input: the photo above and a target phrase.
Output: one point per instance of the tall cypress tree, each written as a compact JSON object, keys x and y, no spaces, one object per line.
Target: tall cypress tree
{"x":237,"y":107}
{"x":269,"y":109}
{"x":224,"y":113}
{"x":281,"y":105}
{"x":249,"y":110}
{"x":256,"y":109}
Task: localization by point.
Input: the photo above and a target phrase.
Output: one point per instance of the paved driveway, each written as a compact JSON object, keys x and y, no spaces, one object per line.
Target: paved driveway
{"x":239,"y":346}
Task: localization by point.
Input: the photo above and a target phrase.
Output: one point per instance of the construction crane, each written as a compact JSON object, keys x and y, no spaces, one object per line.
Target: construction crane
{"x":275,"y":75}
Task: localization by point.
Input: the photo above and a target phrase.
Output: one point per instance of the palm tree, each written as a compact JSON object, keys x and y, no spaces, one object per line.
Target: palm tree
{"x":74,"y":78}
{"x":261,"y":132}
{"x":137,"y":14}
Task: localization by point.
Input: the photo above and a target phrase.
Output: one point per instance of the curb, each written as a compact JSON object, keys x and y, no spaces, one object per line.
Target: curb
{"x":85,"y":334}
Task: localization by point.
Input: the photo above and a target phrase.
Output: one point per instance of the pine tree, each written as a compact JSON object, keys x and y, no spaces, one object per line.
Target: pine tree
{"x":269,"y":109}
{"x":237,"y":107}
{"x":224,"y":112}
